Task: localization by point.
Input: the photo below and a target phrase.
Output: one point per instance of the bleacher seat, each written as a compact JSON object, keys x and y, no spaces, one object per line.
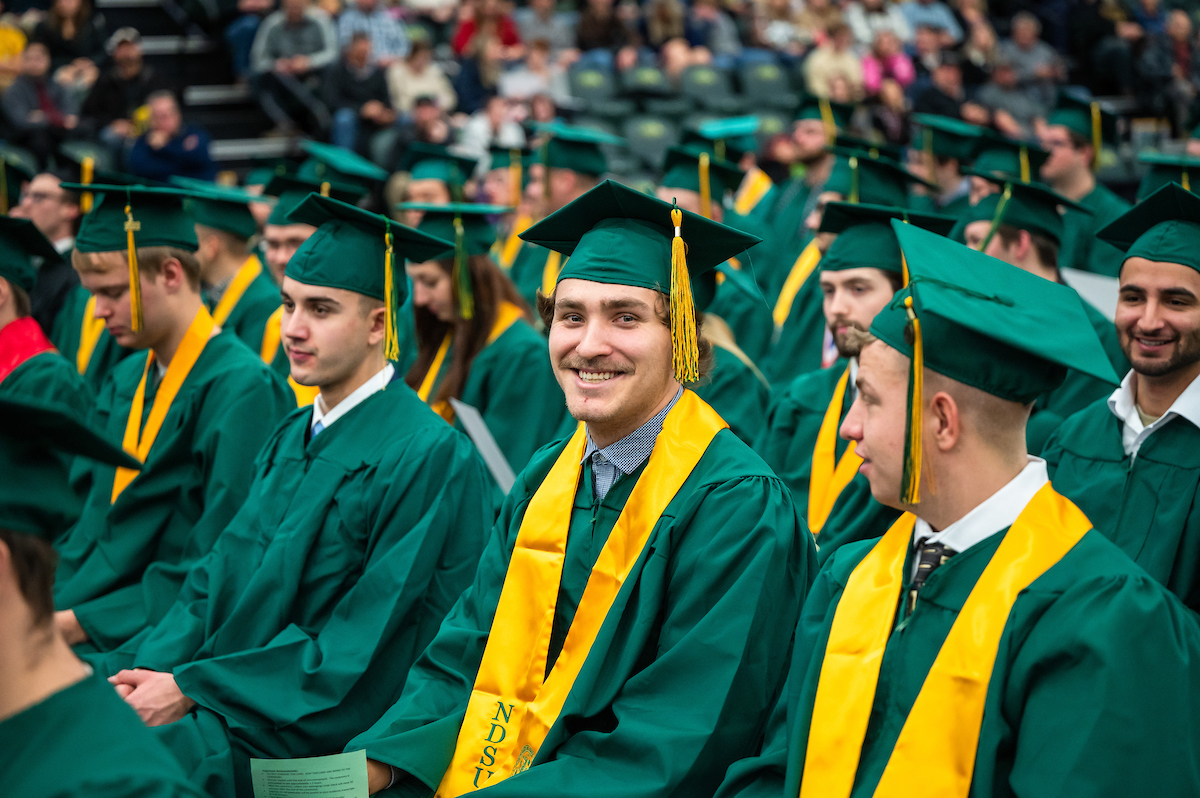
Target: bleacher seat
{"x":595,"y":92}
{"x":766,"y":85}
{"x":649,"y":137}
{"x":711,"y":88}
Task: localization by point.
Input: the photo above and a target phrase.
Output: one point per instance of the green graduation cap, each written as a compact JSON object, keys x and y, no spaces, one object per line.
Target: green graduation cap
{"x":223,"y":208}
{"x":433,"y":162}
{"x":1025,"y":206}
{"x":12,"y":175}
{"x":267,"y":168}
{"x":575,"y":148}
{"x":614,"y":234}
{"x":984,"y":323}
{"x":330,"y":162}
{"x":470,"y":227}
{"x":517,"y":161}
{"x":947,"y":137}
{"x":1083,"y":115}
{"x":872,"y":149}
{"x":292,"y":190}
{"x":20,"y":243}
{"x":694,"y":169}
{"x":836,"y":116}
{"x":876,"y":181}
{"x":356,"y":250}
{"x":728,"y":139}
{"x":865,"y":237}
{"x":1181,"y":169}
{"x":37,"y":442}
{"x":1006,"y":159}
{"x":1164,"y":227}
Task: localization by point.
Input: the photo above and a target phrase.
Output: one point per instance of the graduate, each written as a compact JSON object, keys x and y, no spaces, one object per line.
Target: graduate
{"x":942,"y":149}
{"x":437,"y":176}
{"x":1023,"y":226}
{"x":570,"y":162}
{"x":330,"y":163}
{"x":1074,"y":134}
{"x":271,"y":650}
{"x":504,"y":183}
{"x":195,"y":409}
{"x":475,"y":338}
{"x":237,"y":287}
{"x":1130,"y":461}
{"x":30,"y":367}
{"x":800,"y":344}
{"x":656,"y":675}
{"x":1000,"y":159}
{"x":991,"y":643}
{"x":858,"y":277}
{"x":56,"y":213}
{"x":1163,"y":169}
{"x":14,"y":180}
{"x":63,"y":730}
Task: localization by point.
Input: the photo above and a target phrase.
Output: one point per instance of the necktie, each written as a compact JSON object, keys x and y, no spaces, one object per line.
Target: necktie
{"x":929,"y":557}
{"x":316,"y":429}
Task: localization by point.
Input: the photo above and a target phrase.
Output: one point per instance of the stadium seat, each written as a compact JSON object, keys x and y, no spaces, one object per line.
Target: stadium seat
{"x":766,"y":85}
{"x":649,"y":137}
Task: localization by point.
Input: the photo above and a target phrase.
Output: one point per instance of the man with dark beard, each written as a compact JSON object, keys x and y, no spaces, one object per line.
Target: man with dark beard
{"x":859,"y":274}
{"x":1130,"y":462}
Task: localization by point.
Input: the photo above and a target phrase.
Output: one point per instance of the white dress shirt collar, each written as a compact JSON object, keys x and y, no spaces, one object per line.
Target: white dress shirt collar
{"x":358,"y":396}
{"x":1134,"y":433}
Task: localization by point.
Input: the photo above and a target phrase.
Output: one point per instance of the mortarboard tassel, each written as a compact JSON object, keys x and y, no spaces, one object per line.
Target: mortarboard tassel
{"x":462,"y":272}
{"x":87,"y":168}
{"x":998,"y":218}
{"x":685,"y":349}
{"x":137,"y":319}
{"x":514,"y":177}
{"x":1184,"y":181}
{"x":1024,"y":156}
{"x":910,"y":486}
{"x":719,"y":149}
{"x":705,"y":188}
{"x":828,"y":120}
{"x":3,"y":185}
{"x":391,"y":346}
{"x":853,"y":198}
{"x":325,"y":189}
{"x":546,"y":177}
{"x":904,"y":261}
{"x":1097,"y":135}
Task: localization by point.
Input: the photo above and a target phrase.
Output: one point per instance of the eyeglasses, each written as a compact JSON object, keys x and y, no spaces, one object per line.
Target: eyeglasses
{"x":41,"y":196}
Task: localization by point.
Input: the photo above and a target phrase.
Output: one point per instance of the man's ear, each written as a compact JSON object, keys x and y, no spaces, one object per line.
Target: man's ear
{"x":173,"y":275}
{"x":947,"y":420}
{"x":1024,"y":243}
{"x":6,"y":293}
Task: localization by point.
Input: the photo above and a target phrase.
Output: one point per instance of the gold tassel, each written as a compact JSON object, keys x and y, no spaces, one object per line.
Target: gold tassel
{"x":828,"y":120}
{"x":87,"y":168}
{"x":1097,"y":135}
{"x":1024,"y":164}
{"x":461,"y":277}
{"x":138,"y":321}
{"x":685,"y":350}
{"x":546,"y":178}
{"x":391,"y":346}
{"x":325,"y":189}
{"x":1183,"y":181}
{"x":3,"y":185}
{"x":719,"y":149}
{"x":998,"y":218}
{"x":514,"y":177}
{"x":705,"y":188}
{"x":853,"y":198}
{"x":910,"y":489}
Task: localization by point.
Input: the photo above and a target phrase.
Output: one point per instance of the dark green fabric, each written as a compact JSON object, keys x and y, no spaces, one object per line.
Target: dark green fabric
{"x":479,"y":234}
{"x":501,"y":158}
{"x":15,"y":175}
{"x":947,"y":137}
{"x":1162,"y":227}
{"x":740,"y":304}
{"x":121,"y":566}
{"x":799,"y":344}
{"x":290,"y":191}
{"x":314,"y":602}
{"x":339,"y":163}
{"x":575,"y":148}
{"x":1074,"y":112}
{"x":248,"y":319}
{"x":527,"y":269}
{"x":1081,"y":249}
{"x":85,"y":742}
{"x":865,"y":238}
{"x":163,"y":220}
{"x":870,"y":148}
{"x":810,"y":108}
{"x":739,"y":394}
{"x":681,"y":170}
{"x":68,"y":327}
{"x":1146,"y":506}
{"x":435,"y":162}
{"x":1030,"y":206}
{"x":20,"y":242}
{"x":1165,"y":169}
{"x":729,"y":138}
{"x":698,"y":634}
{"x":225,"y":210}
{"x":1091,"y":695}
{"x":876,"y":181}
{"x":1000,"y":157}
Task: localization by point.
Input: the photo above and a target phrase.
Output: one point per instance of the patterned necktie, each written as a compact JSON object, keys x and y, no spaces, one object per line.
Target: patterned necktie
{"x":317,"y":429}
{"x":929,"y":557}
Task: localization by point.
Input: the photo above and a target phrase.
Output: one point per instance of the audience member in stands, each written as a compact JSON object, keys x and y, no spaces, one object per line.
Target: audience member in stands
{"x":389,"y":39}
{"x":419,"y":75}
{"x":776,"y":27}
{"x":486,"y":40}
{"x":979,"y":55}
{"x":1038,"y":67}
{"x":927,"y":53}
{"x":1102,"y":47}
{"x":1169,"y":68}
{"x":936,"y":15}
{"x":1013,"y":111}
{"x":356,"y":93}
{"x":240,"y":34}
{"x":111,"y":106}
{"x":944,"y":94}
{"x":662,"y":21}
{"x":816,"y":19}
{"x":1150,"y":15}
{"x":293,"y":47}
{"x":886,"y":61}
{"x":74,"y":38}
{"x":169,"y":147}
{"x":39,"y":110}
{"x":867,"y":18}
{"x":711,"y":28}
{"x":12,"y":42}
{"x":835,"y":59}
{"x":890,"y":115}
{"x":537,"y":74}
{"x":490,"y":126}
{"x":602,"y":35}
{"x":438,"y":18}
{"x":540,"y":20}
{"x":55,"y":212}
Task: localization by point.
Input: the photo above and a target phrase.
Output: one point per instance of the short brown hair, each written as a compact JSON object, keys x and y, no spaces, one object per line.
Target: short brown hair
{"x":150,"y":259}
{"x":34,"y":562}
{"x":662,"y":307}
{"x":22,"y":305}
{"x":1046,"y":247}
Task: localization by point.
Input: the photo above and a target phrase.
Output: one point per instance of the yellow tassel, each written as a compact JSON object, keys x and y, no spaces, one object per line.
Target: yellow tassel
{"x":514,"y":177}
{"x":1187,"y":185}
{"x":138,"y":321}
{"x":904,"y":269}
{"x":3,"y":186}
{"x":828,"y":120}
{"x":1097,"y":135}
{"x":910,"y":492}
{"x":685,"y":350}
{"x":998,"y":218}
{"x":546,"y":178}
{"x":324,"y":189}
{"x":461,"y":275}
{"x":719,"y":149}
{"x":853,"y":198}
{"x":705,"y":188}
{"x":87,"y":169}
{"x":391,"y":345}
{"x":1024,"y":164}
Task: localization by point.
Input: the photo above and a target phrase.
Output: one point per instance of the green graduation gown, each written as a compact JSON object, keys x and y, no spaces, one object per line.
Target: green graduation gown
{"x":68,"y":329}
{"x":786,"y":443}
{"x":1146,"y":506}
{"x":528,"y":271}
{"x":740,"y":303}
{"x":248,"y":319}
{"x":48,"y":377}
{"x":799,"y":343}
{"x":122,"y":564}
{"x":85,"y":742}
{"x":678,"y":681}
{"x":300,"y":625}
{"x":1080,"y":247}
{"x":1093,"y":694}
{"x":738,"y":391}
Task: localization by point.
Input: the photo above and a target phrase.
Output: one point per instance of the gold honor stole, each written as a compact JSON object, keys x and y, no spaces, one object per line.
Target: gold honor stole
{"x":750,"y":193}
{"x":512,"y":244}
{"x":272,"y":335}
{"x":507,"y":315}
{"x":801,"y":269}
{"x":827,"y":480}
{"x":511,"y":708}
{"x":137,"y":441}
{"x":237,"y":287}
{"x":89,"y":335}
{"x":948,"y":711}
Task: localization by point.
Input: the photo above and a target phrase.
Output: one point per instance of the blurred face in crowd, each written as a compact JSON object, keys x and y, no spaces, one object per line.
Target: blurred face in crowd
{"x":852,"y":297}
{"x":948,"y":78}
{"x":1065,"y":159}
{"x":52,"y":210}
{"x":128,"y":56}
{"x":432,"y":289}
{"x":293,"y":10}
{"x":1025,"y":32}
{"x":887,"y":44}
{"x":927,"y":40}
{"x":164,"y":115}
{"x":281,"y":242}
{"x":1158,"y":316}
{"x":813,"y":222}
{"x":429,"y":190}
{"x":809,"y":135}
{"x":980,"y":188}
{"x":1179,"y":25}
{"x":35,"y":60}
{"x":358,"y":52}
{"x":365,"y":6}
